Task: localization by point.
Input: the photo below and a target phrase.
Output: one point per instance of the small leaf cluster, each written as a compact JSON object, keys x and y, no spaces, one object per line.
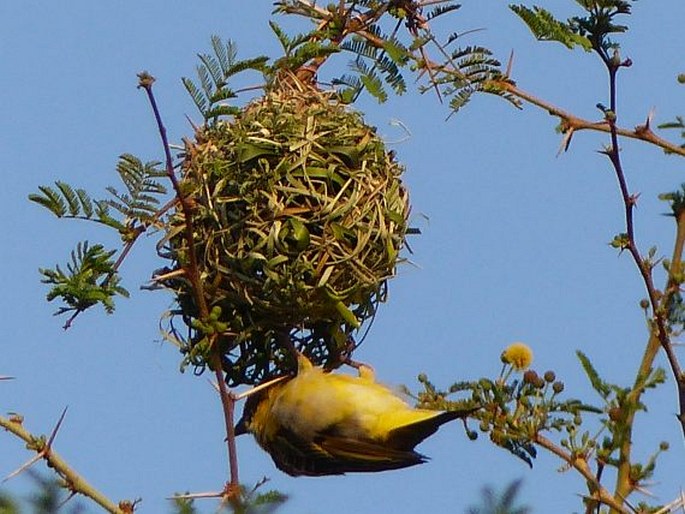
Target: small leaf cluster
{"x":620,"y":406}
{"x":91,"y":277}
{"x":676,"y":200}
{"x":138,"y":205}
{"x":545,"y":27}
{"x":374,"y":67}
{"x":517,"y":410}
{"x":589,"y":32}
{"x":141,"y":201}
{"x":381,"y":50}
{"x":213,"y":73}
{"x":467,"y":71}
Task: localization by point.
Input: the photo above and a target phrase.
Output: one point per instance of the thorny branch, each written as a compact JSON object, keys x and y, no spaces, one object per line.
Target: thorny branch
{"x":192,"y":272}
{"x":74,"y":481}
{"x":660,"y":329}
{"x":571,"y":123}
{"x":579,"y":463}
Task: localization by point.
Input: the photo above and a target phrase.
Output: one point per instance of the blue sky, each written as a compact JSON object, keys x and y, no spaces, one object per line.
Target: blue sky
{"x":514,"y":247}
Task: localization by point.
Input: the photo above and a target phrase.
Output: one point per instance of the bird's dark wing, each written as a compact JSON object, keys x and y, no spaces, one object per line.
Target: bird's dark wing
{"x":404,"y":438}
{"x":297,"y":457}
{"x":334,"y":455}
{"x":408,"y":436}
{"x":361,"y":455}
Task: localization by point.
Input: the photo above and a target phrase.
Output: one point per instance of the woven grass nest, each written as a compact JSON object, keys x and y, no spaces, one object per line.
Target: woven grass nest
{"x":299,"y":216}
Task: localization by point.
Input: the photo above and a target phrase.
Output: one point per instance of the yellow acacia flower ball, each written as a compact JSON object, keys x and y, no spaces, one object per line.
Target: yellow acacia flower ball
{"x":519,"y":355}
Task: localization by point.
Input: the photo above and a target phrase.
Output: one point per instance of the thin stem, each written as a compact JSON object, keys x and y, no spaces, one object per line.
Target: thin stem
{"x":658,"y":307}
{"x":74,"y":481}
{"x":192,"y":271}
{"x":673,"y":288}
{"x":624,"y":485}
{"x":228,"y":405}
{"x":659,"y":332}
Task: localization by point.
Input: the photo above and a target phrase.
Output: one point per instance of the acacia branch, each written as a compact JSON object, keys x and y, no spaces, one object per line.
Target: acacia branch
{"x":145,"y":82}
{"x":74,"y":481}
{"x":598,"y":492}
{"x":659,"y":333}
{"x":192,"y":272}
{"x":572,"y":123}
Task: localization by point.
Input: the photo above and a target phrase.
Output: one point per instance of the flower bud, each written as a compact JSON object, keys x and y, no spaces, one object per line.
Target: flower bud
{"x":519,"y":355}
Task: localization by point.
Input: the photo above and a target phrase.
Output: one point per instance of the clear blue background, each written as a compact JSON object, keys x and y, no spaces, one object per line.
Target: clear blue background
{"x":514,"y":247}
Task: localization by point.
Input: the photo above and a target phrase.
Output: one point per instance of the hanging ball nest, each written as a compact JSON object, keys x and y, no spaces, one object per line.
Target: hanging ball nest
{"x":298,"y":217}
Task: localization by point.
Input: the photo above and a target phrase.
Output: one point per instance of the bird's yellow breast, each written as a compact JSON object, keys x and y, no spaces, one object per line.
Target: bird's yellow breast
{"x":314,"y":402}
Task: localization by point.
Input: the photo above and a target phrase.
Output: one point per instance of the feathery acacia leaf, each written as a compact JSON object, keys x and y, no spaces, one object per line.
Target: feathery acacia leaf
{"x":69,"y":195}
{"x":225,"y":53}
{"x":372,"y":61}
{"x":290,"y":43}
{"x":51,"y":200}
{"x":370,"y":80}
{"x":466,"y":71}
{"x":213,"y":73}
{"x":198,"y":98}
{"x":90,"y":279}
{"x":138,"y":206}
{"x":545,"y":27}
{"x":598,"y":384}
{"x":86,"y":203}
{"x":353,"y":87}
{"x":441,"y":10}
{"x":524,"y":450}
{"x":141,"y":201}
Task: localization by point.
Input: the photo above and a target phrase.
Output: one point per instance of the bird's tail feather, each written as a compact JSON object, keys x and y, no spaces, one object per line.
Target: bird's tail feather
{"x":406,"y":437}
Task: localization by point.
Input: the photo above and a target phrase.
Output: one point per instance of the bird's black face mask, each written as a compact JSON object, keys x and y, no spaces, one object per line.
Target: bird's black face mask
{"x":242,"y":426}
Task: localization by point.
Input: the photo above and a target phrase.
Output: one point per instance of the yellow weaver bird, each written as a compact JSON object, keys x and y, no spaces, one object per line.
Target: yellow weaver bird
{"x":320,"y":423}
